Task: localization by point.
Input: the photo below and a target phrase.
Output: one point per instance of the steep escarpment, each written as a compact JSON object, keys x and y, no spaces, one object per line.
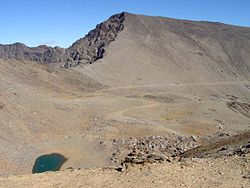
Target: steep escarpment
{"x":92,"y":47}
{"x":86,"y":50}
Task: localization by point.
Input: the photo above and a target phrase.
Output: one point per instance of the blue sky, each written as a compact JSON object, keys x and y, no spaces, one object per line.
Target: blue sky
{"x":61,"y":22}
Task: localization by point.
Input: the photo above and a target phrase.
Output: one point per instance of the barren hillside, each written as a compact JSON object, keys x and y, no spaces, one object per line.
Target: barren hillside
{"x":155,"y":50}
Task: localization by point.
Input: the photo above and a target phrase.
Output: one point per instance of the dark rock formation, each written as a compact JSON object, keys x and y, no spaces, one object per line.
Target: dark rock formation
{"x":86,"y":50}
{"x":239,"y":107}
{"x":138,"y":157}
{"x":92,"y":46}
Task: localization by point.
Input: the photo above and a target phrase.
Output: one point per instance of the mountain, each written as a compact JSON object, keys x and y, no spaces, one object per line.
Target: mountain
{"x":156,"y":50}
{"x":151,"y":49}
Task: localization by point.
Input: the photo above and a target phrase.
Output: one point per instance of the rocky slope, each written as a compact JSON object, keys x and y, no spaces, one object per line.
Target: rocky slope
{"x":92,"y":47}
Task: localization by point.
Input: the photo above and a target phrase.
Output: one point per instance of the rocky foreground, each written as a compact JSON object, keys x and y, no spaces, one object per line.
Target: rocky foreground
{"x":231,"y":171}
{"x":159,"y":162}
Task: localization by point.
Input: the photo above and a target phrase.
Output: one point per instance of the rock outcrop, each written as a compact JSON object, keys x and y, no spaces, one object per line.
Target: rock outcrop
{"x":92,"y":47}
{"x":239,"y":107}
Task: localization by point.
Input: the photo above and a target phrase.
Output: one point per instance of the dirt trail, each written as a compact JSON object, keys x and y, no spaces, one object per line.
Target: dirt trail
{"x":119,"y":115}
{"x":174,"y":85}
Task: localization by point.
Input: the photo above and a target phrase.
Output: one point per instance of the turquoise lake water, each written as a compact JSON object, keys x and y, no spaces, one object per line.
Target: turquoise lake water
{"x":50,"y":162}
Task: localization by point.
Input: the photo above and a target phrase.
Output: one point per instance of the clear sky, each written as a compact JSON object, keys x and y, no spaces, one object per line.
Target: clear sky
{"x":61,"y":22}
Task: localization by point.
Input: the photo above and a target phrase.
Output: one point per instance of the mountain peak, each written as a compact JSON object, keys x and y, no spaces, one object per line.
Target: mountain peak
{"x":93,"y":46}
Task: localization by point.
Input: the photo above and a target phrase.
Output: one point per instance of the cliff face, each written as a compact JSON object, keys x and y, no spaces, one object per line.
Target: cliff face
{"x":86,"y":50}
{"x":92,"y":47}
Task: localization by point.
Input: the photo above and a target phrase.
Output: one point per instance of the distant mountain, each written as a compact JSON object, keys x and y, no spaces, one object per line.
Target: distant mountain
{"x":174,"y":50}
{"x":86,"y":50}
{"x":41,"y":54}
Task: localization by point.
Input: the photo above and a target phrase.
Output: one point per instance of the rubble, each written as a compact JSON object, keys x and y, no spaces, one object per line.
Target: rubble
{"x":152,"y":149}
{"x":168,"y":145}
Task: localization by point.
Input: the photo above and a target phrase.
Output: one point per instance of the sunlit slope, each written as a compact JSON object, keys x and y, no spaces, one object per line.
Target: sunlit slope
{"x":155,"y":50}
